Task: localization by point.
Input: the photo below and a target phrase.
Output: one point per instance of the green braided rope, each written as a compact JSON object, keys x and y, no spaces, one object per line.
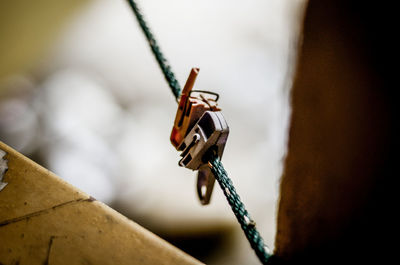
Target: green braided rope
{"x":238,"y":208}
{"x":162,"y":62}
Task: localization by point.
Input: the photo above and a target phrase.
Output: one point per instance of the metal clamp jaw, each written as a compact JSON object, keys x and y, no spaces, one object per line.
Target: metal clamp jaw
{"x":198,"y":129}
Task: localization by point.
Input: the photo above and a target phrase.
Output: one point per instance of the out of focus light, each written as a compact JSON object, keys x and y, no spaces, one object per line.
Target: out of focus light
{"x":99,"y":113}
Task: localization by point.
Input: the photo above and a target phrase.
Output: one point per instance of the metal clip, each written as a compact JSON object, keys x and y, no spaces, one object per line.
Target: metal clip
{"x":190,"y":109}
{"x":210,"y":133}
{"x":198,"y":129}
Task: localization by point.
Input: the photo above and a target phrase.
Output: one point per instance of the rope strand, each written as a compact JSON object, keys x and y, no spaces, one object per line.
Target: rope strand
{"x":162,"y":62}
{"x":238,"y":208}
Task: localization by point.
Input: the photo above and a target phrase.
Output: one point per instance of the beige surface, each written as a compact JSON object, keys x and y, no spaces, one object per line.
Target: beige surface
{"x":44,"y":220}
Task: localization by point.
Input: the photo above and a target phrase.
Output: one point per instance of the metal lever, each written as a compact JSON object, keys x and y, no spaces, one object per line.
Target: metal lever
{"x":205,"y":184}
{"x":209,"y":133}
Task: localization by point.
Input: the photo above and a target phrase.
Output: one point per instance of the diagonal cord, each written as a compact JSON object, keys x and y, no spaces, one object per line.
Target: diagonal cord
{"x":238,"y":208}
{"x":226,"y":184}
{"x":162,"y":62}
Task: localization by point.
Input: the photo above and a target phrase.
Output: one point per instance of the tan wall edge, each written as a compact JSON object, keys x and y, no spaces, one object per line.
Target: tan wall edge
{"x":44,"y":220}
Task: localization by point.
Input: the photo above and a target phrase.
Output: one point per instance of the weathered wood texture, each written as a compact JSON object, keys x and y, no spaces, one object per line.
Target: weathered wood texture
{"x":337,"y":194}
{"x":44,"y":220}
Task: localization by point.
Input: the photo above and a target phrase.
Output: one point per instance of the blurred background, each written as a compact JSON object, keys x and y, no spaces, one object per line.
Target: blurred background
{"x":81,"y":94}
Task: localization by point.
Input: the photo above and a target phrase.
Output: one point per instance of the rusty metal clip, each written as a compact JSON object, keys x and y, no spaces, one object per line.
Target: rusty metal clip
{"x":190,"y":109}
{"x":199,"y":128}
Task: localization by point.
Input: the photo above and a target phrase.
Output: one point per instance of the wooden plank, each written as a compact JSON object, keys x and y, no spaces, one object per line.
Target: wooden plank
{"x":44,"y":220}
{"x":337,"y":192}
